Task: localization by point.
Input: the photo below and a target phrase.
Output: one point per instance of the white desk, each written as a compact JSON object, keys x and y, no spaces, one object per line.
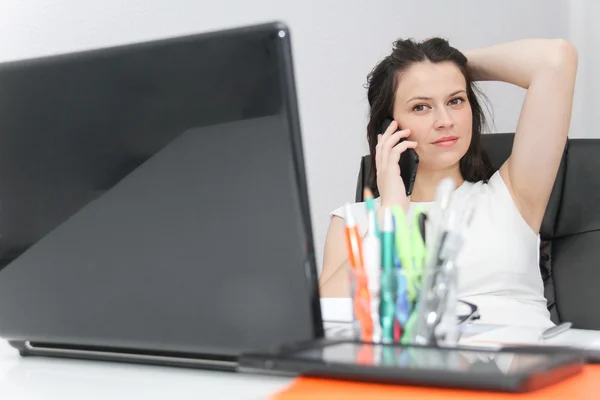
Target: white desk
{"x":25,"y":378}
{"x":62,"y":379}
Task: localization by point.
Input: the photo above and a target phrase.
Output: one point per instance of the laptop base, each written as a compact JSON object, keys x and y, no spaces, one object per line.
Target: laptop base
{"x":211,"y":362}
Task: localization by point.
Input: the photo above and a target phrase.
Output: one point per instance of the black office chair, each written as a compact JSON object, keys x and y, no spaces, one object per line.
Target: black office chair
{"x":570,"y":231}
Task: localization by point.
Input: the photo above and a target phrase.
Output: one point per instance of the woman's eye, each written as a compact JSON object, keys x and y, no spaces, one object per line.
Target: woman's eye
{"x":456,"y":101}
{"x":419,"y":107}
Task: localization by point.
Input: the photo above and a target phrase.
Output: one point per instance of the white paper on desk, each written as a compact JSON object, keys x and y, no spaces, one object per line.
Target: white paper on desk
{"x":595,"y":345}
{"x":338,"y":330}
{"x":505,"y":335}
{"x":336,"y":309}
{"x":580,"y":338}
{"x":511,"y":335}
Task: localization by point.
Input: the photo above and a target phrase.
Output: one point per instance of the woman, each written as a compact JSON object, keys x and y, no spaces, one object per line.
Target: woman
{"x":427,"y":88}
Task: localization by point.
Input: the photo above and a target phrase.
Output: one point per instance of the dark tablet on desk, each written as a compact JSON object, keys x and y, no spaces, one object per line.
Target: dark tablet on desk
{"x":516,"y":370}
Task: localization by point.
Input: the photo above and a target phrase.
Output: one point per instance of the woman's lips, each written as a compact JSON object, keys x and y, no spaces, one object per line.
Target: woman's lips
{"x":446,"y":141}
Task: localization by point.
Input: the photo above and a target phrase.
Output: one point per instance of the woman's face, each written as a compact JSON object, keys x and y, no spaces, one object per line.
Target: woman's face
{"x":431,"y":101}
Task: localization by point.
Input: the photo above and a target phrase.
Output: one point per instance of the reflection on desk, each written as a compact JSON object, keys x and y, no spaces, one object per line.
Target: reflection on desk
{"x":54,"y":378}
{"x":337,"y":314}
{"x":514,"y":335}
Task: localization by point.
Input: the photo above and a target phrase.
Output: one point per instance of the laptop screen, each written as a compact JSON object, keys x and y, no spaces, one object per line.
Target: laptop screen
{"x":153,"y":196}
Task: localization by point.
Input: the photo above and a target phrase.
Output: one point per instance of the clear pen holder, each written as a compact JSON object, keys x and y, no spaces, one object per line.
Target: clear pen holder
{"x":367,"y":308}
{"x":356,"y":327}
{"x":362,"y":320}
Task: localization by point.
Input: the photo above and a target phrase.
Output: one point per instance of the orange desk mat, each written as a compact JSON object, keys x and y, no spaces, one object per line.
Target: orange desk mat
{"x":586,"y":385}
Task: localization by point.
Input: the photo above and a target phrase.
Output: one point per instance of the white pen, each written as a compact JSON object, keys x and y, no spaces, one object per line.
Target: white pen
{"x":371,"y":249}
{"x":556,"y":330}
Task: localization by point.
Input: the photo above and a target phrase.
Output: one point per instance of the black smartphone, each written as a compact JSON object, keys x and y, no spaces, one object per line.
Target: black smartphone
{"x":519,"y":369}
{"x":409,"y":161}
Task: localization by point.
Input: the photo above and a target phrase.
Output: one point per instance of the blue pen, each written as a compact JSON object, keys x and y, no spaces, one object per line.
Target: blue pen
{"x":403,"y":306}
{"x":403,"y":246}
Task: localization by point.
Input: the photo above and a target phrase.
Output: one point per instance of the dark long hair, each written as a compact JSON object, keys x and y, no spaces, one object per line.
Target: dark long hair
{"x":382,"y":84}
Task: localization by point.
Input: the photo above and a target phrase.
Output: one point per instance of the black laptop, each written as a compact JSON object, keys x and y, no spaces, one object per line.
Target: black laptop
{"x":153,"y":202}
{"x":154,"y":209}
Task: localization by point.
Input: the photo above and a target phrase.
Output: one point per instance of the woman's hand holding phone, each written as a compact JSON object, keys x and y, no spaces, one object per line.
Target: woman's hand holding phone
{"x":387,"y":156}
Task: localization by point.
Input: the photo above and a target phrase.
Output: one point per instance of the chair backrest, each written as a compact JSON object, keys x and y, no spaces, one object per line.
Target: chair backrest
{"x":575,"y":256}
{"x":570,"y":231}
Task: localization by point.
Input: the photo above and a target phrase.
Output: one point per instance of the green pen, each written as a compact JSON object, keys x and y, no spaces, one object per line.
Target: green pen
{"x":409,"y":329}
{"x":418,"y":245}
{"x":418,"y":252}
{"x":387,"y":307}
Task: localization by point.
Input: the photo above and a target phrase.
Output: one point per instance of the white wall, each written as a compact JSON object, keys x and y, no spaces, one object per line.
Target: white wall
{"x":584,"y":33}
{"x":336,"y":43}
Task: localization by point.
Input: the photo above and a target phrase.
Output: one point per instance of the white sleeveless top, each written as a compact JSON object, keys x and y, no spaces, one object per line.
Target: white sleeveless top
{"x":498,"y":268}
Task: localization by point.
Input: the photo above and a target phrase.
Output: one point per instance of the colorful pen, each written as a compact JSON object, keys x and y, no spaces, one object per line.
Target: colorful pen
{"x":361,"y":300}
{"x":372,"y":258}
{"x":403,"y":306}
{"x":388,"y":278}
{"x":368,"y":196}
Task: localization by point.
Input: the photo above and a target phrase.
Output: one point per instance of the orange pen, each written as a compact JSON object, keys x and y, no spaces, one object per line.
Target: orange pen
{"x":361,"y":297}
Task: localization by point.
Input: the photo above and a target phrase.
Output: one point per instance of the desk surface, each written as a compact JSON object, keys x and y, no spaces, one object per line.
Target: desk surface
{"x":64,"y":379}
{"x":52,"y":378}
